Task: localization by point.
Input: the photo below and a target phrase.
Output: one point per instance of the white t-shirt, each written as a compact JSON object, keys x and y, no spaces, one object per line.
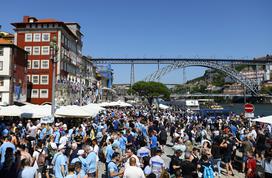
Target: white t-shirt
{"x":32,"y":131}
{"x":133,"y":172}
{"x":96,"y":149}
{"x":157,"y":164}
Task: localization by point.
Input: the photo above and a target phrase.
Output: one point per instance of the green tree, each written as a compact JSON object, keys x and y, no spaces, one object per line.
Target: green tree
{"x":151,"y":90}
{"x":266,"y":90}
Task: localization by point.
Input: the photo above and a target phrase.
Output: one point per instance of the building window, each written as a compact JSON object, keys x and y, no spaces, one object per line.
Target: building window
{"x":36,"y":50}
{"x":1,"y":82}
{"x":35,"y":64}
{"x":34,"y":93}
{"x":35,"y":79}
{"x":29,"y":64}
{"x":1,"y":65}
{"x":45,"y":50}
{"x":46,"y":37}
{"x":28,"y":49}
{"x":44,"y":79}
{"x":1,"y":51}
{"x":43,"y":93}
{"x":44,"y":64}
{"x":28,"y":37}
{"x":37,"y":37}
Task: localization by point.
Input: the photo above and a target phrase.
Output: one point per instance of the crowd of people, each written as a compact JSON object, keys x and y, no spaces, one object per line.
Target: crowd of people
{"x":131,"y":143}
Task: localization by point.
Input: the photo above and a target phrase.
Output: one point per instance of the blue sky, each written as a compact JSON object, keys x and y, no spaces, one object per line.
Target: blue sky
{"x":158,"y":28}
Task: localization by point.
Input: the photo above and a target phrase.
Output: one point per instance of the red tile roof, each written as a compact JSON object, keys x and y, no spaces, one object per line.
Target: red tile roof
{"x":49,"y":20}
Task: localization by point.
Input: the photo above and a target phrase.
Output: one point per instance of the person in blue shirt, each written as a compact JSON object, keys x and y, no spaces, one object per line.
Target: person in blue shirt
{"x":109,"y":152}
{"x":153,"y":142}
{"x":113,"y":171}
{"x":60,"y":163}
{"x":91,"y":161}
{"x":123,"y":142}
{"x":115,"y":124}
{"x":56,"y":135}
{"x":3,"y":148}
{"x":43,"y":132}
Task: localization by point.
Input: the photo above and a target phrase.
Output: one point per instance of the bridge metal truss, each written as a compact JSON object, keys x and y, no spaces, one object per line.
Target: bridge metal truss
{"x":250,"y":84}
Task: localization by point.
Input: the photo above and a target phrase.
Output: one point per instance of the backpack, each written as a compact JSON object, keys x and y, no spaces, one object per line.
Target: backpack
{"x":163,"y":135}
{"x":208,"y":172}
{"x":41,"y":158}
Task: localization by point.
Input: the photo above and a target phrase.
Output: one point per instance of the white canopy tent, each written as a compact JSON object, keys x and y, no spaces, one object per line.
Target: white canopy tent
{"x":35,"y":111}
{"x":92,"y":109}
{"x":267,"y":119}
{"x":71,"y":111}
{"x":12,"y":111}
{"x":115,"y":104}
{"x":162,"y":106}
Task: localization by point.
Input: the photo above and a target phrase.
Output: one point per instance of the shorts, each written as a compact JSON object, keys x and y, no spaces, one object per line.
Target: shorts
{"x":227,"y":159}
{"x":163,"y":142}
{"x":244,"y":158}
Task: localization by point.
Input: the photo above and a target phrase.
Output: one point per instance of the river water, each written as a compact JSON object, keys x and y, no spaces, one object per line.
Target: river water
{"x":260,"y":109}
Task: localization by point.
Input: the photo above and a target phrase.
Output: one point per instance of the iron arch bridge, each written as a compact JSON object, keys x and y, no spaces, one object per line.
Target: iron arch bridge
{"x":250,"y":84}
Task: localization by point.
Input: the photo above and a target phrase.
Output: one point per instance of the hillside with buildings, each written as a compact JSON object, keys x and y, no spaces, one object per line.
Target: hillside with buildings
{"x":214,"y":81}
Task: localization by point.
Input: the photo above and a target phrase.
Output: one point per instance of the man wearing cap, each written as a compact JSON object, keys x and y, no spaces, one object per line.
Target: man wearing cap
{"x":91,"y":161}
{"x":60,"y":163}
{"x":80,"y":158}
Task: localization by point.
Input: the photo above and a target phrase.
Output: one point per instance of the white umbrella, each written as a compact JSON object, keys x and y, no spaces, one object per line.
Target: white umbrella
{"x":35,"y":111}
{"x":104,"y":104}
{"x":123,"y":104}
{"x":71,"y":111}
{"x":162,"y":106}
{"x":267,"y":119}
{"x":92,"y":109}
{"x":12,"y":110}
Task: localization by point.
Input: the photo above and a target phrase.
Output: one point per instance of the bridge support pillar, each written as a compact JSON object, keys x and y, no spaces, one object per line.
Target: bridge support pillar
{"x":132,"y":75}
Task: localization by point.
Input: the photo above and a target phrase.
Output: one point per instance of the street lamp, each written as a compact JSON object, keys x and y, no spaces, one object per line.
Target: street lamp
{"x":53,"y":56}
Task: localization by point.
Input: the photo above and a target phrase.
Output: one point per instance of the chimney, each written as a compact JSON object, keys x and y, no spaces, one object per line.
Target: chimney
{"x":25,"y":19}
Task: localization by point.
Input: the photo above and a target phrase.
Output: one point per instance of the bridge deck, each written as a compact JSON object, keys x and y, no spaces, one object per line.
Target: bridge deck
{"x":172,"y":60}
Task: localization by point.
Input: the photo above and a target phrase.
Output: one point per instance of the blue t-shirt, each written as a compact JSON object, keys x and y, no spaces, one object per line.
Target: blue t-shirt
{"x":81,"y":174}
{"x":153,"y":141}
{"x":60,"y":160}
{"x":91,"y":162}
{"x":123,"y":142}
{"x":109,"y":152}
{"x":57,"y":136}
{"x":3,"y":148}
{"x":43,"y":132}
{"x":116,"y":143}
{"x":112,"y":167}
{"x":115,"y":124}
